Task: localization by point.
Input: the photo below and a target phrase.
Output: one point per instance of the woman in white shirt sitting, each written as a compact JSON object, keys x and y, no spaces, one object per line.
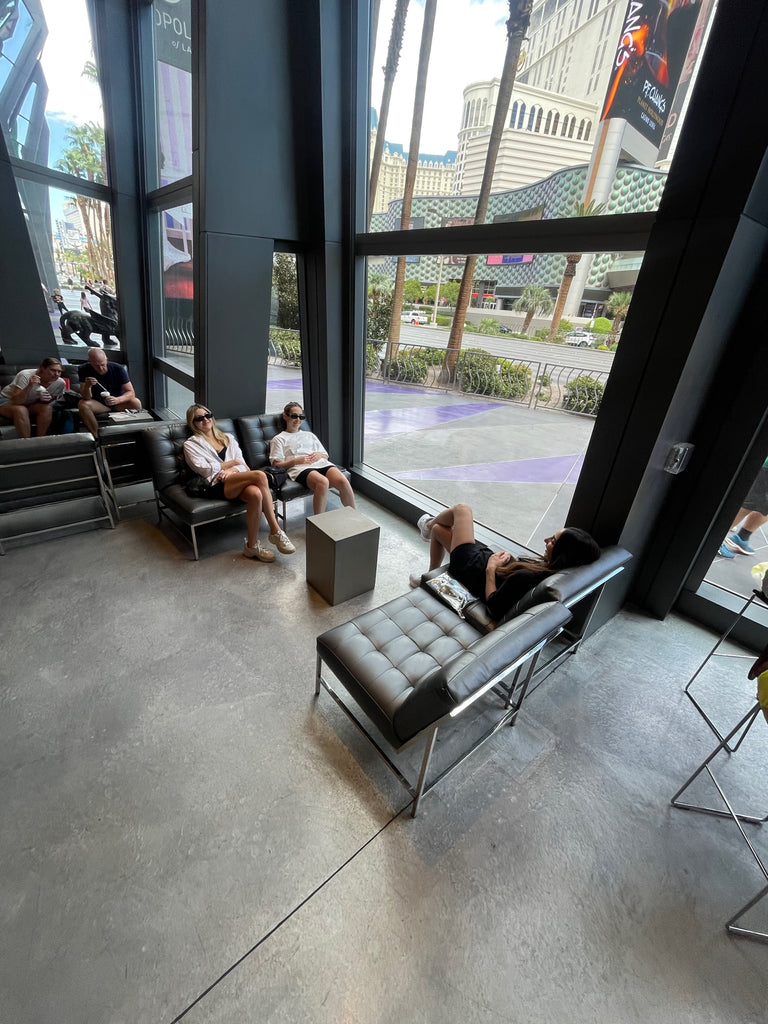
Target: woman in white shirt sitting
{"x":300,"y":453}
{"x":217,"y":458}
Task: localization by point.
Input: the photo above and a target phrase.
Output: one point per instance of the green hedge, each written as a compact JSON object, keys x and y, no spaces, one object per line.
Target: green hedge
{"x":410,"y":367}
{"x":372,"y":357}
{"x":480,"y":373}
{"x":583,"y":394}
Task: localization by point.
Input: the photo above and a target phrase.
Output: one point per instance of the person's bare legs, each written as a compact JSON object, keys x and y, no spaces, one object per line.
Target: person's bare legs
{"x":236,"y":485}
{"x":451,"y":527}
{"x":337,"y":479}
{"x":43,"y":412}
{"x":319,"y":485}
{"x":20,"y":417}
{"x":87,"y":408}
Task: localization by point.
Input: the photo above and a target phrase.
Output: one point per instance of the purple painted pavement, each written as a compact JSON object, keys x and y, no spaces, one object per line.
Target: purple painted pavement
{"x":388,"y":422}
{"x":555,"y":469}
{"x":287,"y":384}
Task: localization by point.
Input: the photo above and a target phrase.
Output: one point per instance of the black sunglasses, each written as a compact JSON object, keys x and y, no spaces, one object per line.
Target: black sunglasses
{"x":296,"y":416}
{"x":205,"y":416}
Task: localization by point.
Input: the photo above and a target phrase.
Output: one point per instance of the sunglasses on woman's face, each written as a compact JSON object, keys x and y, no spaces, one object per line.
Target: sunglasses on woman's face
{"x":205,"y":416}
{"x":296,"y":416}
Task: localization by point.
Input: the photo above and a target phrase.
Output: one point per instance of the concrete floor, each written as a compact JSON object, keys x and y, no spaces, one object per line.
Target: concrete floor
{"x":188,"y":834}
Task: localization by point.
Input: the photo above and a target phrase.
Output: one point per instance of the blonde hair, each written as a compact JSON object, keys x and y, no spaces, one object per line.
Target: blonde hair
{"x":219,"y":437}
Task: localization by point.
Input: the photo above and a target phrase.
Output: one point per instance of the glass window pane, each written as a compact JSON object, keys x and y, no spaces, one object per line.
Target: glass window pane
{"x":578,"y":95}
{"x":177,"y":343}
{"x":746,"y":543}
{"x":71,"y":237}
{"x":50,"y":97}
{"x":173,"y":90}
{"x":505,"y":424}
{"x":284,"y":375}
{"x":173,"y":396}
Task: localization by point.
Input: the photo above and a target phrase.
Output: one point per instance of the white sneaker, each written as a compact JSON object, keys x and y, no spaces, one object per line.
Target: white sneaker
{"x":281,"y":542}
{"x":263,"y":554}
{"x":425,"y":526}
{"x":415,"y":579}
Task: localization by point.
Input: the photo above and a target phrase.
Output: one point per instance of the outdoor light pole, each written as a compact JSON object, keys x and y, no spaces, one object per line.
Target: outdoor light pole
{"x":437,"y":292}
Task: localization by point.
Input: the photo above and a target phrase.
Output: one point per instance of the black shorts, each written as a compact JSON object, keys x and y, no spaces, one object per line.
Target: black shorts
{"x":302,"y":477}
{"x":468,"y":564}
{"x":757,"y":499}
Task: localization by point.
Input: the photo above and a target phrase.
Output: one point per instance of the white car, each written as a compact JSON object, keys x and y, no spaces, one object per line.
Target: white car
{"x":412,"y":316}
{"x":580,"y":337}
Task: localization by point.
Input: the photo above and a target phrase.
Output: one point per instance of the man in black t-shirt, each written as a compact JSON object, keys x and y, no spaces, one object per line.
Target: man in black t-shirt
{"x":104,"y":387}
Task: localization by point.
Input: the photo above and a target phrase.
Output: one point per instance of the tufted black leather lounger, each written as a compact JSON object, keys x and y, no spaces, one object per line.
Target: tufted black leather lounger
{"x":414,"y":665}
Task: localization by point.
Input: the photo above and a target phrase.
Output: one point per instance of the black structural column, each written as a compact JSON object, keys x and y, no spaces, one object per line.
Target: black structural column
{"x":244,"y":192}
{"x":119,"y":72}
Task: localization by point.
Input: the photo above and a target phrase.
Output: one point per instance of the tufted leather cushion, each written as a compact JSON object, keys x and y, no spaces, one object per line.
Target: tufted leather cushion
{"x":413,"y":660}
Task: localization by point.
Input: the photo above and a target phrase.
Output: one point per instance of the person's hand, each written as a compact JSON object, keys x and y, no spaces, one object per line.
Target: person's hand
{"x":109,"y":400}
{"x":90,"y":381}
{"x":34,"y":379}
{"x":497,"y":559}
{"x":45,"y":396}
{"x":312,"y":457}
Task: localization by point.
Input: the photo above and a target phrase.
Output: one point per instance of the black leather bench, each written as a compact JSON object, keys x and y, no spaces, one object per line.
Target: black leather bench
{"x":415,"y":664}
{"x":49,"y":485}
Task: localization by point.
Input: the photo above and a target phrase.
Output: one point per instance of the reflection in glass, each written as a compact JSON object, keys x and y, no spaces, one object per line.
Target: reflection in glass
{"x":71,"y":237}
{"x":173,"y":89}
{"x":579,"y":101}
{"x":50,"y":97}
{"x":178,"y":288}
{"x":506,"y":427}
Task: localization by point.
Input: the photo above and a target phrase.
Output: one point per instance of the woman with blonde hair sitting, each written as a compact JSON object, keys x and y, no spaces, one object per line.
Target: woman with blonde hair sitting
{"x":216,"y":457}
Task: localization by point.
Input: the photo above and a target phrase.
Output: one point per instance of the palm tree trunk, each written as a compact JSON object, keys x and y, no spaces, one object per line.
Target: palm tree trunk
{"x":410,"y":171}
{"x":571,"y":262}
{"x":390,"y":70}
{"x":517,"y":27}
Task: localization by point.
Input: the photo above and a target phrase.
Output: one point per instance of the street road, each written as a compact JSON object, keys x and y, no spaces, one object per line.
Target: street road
{"x":511,"y":348}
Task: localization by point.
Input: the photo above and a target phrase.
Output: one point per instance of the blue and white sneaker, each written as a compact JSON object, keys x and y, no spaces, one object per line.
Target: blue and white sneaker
{"x":724,"y":552}
{"x":736,"y":543}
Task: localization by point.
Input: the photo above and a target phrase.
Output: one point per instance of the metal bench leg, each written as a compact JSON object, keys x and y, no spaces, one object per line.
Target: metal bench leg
{"x":430,"y":746}
{"x":194,"y":543}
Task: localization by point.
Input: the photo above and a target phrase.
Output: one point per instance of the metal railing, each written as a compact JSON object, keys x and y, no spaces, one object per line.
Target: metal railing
{"x":526,"y":382}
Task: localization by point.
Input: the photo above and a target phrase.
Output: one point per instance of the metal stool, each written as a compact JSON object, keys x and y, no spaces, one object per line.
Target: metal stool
{"x":745,"y":724}
{"x":756,"y":595}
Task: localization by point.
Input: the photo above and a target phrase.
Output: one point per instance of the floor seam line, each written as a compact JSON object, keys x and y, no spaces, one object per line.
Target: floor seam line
{"x":290,"y":914}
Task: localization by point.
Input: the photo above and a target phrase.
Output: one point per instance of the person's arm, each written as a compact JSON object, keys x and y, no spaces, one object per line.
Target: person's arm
{"x":125,"y":395}
{"x":278,"y":455}
{"x":21,"y":388}
{"x":234,"y":459}
{"x":498,"y":602}
{"x":201,"y":459}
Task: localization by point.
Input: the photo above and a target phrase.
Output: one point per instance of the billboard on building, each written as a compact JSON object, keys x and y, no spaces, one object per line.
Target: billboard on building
{"x":649,"y":57}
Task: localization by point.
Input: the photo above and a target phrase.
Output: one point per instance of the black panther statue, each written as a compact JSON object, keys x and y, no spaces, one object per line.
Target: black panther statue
{"x":76,"y":323}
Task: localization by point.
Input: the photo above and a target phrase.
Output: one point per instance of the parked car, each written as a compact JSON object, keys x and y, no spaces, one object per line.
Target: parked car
{"x":412,"y":316}
{"x":580,"y":337}
{"x":504,"y":330}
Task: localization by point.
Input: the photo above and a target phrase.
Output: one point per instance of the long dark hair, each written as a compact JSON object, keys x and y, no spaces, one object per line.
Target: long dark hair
{"x":573,"y":547}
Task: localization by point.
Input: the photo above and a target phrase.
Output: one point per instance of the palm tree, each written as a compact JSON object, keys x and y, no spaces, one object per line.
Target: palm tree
{"x":410,"y":171}
{"x":572,"y":259}
{"x":617,"y":305}
{"x":84,"y":158}
{"x":517,"y":28}
{"x":390,"y":70}
{"x":535,"y":300}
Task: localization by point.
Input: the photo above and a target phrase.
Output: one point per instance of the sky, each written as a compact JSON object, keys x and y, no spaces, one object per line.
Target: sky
{"x":469,"y":43}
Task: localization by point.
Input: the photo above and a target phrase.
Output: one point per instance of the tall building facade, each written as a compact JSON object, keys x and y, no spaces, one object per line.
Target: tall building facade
{"x":544,"y":133}
{"x":434,"y":174}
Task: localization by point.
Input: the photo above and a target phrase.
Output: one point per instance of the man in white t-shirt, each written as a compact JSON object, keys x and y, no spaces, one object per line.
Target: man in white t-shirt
{"x":32,"y":393}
